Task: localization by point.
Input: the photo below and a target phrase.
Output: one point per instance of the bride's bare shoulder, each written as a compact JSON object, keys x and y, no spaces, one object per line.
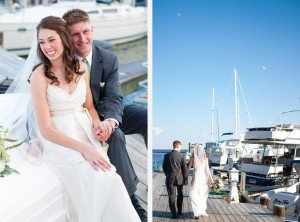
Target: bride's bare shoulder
{"x":38,"y":75}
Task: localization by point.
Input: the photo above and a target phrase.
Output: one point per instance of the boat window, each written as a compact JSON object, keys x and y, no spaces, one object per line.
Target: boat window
{"x":297,"y":152}
{"x":232,"y":142}
{"x":93,"y":12}
{"x":108,"y":11}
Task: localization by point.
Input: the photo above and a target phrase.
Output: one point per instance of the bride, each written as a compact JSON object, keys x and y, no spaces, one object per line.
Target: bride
{"x":65,"y":116}
{"x":199,"y":185}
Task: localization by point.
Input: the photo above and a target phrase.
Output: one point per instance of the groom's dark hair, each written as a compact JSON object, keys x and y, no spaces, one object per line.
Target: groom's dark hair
{"x":74,"y":16}
{"x":176,"y":143}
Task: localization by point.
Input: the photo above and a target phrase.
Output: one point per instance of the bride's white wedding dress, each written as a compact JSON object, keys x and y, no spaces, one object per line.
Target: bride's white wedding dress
{"x":199,"y":185}
{"x":90,"y":195}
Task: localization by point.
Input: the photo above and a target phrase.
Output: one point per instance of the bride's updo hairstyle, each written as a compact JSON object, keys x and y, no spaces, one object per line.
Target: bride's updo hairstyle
{"x":71,"y":63}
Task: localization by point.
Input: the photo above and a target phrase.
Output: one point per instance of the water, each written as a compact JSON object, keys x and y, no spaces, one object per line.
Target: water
{"x":158,"y":157}
{"x":132,"y":51}
{"x":137,"y":98}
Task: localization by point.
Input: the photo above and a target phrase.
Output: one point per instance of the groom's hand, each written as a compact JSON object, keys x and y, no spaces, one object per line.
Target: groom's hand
{"x":103,"y":130}
{"x":185,"y":182}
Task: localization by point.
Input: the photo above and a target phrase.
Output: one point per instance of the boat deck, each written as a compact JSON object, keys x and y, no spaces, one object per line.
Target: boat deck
{"x":217,"y":208}
{"x":129,"y":74}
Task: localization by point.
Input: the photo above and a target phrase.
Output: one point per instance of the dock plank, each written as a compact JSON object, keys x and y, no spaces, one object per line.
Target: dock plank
{"x":244,"y":215}
{"x":137,"y":152}
{"x":217,"y":208}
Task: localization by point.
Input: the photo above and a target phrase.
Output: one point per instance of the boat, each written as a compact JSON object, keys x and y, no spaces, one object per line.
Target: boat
{"x":116,"y":22}
{"x":272,"y":164}
{"x":189,"y":152}
{"x":224,"y":149}
{"x":289,"y":197}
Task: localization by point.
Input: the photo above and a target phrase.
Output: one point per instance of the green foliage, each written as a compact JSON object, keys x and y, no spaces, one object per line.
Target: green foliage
{"x":4,"y":157}
{"x":218,"y":186}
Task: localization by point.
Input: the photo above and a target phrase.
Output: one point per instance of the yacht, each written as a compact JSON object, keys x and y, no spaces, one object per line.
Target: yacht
{"x":115,"y":22}
{"x":232,"y":149}
{"x":272,"y":164}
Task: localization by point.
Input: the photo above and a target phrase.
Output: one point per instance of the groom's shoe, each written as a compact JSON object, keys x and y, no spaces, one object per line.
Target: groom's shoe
{"x":141,"y":212}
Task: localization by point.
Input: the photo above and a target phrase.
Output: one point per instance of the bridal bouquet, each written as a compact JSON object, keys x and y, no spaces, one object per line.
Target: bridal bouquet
{"x":4,"y":157}
{"x":218,"y":186}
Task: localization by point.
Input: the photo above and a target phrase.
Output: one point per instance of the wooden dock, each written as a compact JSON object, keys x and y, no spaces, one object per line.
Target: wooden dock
{"x":137,"y":152}
{"x":217,"y":208}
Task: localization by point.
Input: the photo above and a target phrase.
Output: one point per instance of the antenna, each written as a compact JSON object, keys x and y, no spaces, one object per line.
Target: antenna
{"x":212,"y":115}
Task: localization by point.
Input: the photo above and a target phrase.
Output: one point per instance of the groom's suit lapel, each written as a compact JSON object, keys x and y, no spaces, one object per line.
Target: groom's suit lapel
{"x":96,"y":74}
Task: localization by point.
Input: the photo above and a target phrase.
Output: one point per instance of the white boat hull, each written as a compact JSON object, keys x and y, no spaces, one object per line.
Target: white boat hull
{"x":121,"y":27}
{"x":287,"y":196}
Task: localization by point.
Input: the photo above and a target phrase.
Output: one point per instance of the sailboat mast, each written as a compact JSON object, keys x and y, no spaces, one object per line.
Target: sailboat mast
{"x":212,"y":115}
{"x":236,"y":105}
{"x":217,"y":118}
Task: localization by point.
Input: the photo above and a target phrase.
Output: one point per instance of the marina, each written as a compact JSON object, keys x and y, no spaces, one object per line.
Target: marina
{"x":217,"y":208}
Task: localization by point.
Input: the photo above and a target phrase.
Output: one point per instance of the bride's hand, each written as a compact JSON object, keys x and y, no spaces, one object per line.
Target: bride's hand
{"x":35,"y":148}
{"x":96,"y":159}
{"x":103,"y":130}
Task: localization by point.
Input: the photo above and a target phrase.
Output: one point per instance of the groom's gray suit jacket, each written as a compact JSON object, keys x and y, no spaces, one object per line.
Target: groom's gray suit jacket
{"x":108,"y":101}
{"x":175,"y":168}
{"x":105,"y":86}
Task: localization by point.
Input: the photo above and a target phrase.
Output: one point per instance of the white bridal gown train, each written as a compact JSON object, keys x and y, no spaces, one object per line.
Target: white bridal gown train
{"x":199,"y":185}
{"x":90,"y":195}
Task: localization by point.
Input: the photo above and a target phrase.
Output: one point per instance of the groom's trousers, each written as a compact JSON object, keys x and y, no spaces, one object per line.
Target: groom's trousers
{"x":172,"y":198}
{"x":134,"y":121}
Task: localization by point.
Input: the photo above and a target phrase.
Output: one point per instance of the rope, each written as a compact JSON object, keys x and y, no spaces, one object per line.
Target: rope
{"x":250,"y":121}
{"x":204,"y":119}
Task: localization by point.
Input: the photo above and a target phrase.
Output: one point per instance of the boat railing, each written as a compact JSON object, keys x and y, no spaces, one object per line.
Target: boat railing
{"x":144,"y":83}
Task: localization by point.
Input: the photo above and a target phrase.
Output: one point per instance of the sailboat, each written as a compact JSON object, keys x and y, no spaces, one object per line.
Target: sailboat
{"x":223,"y":150}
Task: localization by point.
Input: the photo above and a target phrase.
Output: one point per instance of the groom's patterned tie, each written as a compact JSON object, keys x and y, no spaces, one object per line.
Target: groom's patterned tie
{"x":86,"y":62}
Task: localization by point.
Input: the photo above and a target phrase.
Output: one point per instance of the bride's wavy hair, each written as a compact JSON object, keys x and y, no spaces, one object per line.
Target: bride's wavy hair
{"x":71,"y":63}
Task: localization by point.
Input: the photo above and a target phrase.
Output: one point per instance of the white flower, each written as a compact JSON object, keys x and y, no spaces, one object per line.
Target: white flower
{"x":2,"y":165}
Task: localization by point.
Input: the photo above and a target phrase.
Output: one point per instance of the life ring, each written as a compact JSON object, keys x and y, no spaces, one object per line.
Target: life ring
{"x":267,"y":162}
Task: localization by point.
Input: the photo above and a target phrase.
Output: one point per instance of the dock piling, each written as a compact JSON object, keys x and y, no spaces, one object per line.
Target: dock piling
{"x":243,"y":182}
{"x":264,"y":201}
{"x":279,"y":210}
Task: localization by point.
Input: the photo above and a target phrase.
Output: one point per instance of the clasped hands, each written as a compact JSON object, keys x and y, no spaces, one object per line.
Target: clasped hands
{"x":103,"y":130}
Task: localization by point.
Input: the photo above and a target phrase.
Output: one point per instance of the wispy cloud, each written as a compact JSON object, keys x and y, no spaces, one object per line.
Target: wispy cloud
{"x":157,"y":130}
{"x":264,"y":68}
{"x":178,"y":14}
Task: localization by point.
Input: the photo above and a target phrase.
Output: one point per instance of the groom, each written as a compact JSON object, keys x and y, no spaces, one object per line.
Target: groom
{"x":175,"y":169}
{"x":116,"y":120}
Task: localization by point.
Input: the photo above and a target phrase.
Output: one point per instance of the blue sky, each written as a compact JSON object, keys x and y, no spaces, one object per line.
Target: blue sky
{"x":196,"y":45}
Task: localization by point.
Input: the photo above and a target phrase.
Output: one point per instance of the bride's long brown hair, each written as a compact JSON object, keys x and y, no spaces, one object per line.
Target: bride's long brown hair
{"x":71,"y":63}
